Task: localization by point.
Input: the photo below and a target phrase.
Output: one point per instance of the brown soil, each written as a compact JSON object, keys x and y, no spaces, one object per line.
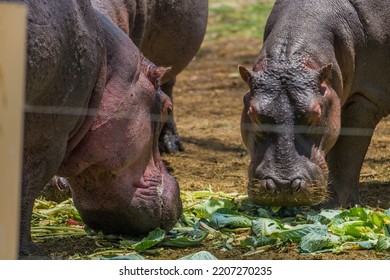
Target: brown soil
{"x":208,"y":104}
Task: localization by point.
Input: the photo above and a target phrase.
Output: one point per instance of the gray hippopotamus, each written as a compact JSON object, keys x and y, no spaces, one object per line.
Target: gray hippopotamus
{"x":318,"y":88}
{"x":94,"y":111}
{"x":168,"y":33}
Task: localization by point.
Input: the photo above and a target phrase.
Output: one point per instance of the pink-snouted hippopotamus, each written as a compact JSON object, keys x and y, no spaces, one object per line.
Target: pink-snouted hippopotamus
{"x":94,"y":111}
{"x":318,"y":88}
{"x":168,"y":33}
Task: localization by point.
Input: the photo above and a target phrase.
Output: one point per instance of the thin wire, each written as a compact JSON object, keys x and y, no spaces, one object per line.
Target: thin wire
{"x":259,"y":128}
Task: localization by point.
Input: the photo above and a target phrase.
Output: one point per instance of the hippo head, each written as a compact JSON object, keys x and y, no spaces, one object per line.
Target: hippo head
{"x":119,"y":182}
{"x":290,"y":120}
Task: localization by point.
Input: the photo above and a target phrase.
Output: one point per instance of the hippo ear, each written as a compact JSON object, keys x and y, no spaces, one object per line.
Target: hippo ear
{"x":155,"y":74}
{"x":246,"y":74}
{"x":325,"y":72}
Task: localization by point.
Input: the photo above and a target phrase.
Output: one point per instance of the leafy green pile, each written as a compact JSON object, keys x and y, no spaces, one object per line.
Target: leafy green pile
{"x":229,"y":222}
{"x":55,"y":219}
{"x":314,"y":231}
{"x":326,"y":230}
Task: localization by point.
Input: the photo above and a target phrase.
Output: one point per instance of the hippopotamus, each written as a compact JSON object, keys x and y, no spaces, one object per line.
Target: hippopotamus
{"x":168,"y":33}
{"x":318,"y":88}
{"x":94,"y":112}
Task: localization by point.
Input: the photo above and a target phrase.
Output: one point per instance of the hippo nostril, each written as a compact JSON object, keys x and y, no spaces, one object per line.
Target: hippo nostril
{"x":297,"y":185}
{"x":269,"y":185}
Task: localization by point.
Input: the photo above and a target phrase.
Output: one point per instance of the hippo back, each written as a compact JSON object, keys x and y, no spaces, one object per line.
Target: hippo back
{"x":64,"y":49}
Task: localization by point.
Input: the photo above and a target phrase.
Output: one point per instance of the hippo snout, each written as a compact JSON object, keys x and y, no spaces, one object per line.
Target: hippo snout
{"x":269,"y":192}
{"x":113,"y":203}
{"x":305,"y":185}
{"x":274,"y":186}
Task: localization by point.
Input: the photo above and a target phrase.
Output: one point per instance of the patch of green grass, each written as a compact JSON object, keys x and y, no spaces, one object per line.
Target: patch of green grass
{"x":237,"y":18}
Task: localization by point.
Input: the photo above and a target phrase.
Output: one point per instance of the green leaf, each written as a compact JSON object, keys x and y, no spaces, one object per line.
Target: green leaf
{"x":254,"y":242}
{"x":316,"y":241}
{"x":316,"y":219}
{"x":329,"y":214}
{"x":187,"y":219}
{"x":362,"y":231}
{"x":356,"y":228}
{"x":134,"y":257}
{"x":369,"y":244}
{"x":209,"y":206}
{"x":194,"y":238}
{"x":383,"y":243}
{"x":377,"y":218}
{"x":153,"y":238}
{"x":347,"y":238}
{"x":120,"y":257}
{"x":387,"y":229}
{"x":263,"y":213}
{"x":353,"y":214}
{"x":266,"y":226}
{"x":298,"y":232}
{"x":202,"y":255}
{"x":361,"y":213}
{"x":128,"y":242}
{"x":229,"y":219}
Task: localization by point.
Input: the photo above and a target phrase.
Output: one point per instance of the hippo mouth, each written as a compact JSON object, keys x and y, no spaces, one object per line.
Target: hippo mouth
{"x":309,"y":195}
{"x":307,"y":187}
{"x":113,"y":204}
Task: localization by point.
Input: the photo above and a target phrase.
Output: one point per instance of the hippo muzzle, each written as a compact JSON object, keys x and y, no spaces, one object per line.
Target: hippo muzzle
{"x":118,"y":203}
{"x":285,"y":176}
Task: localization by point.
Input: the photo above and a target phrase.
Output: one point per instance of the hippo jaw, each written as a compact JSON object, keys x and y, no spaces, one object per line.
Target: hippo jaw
{"x":289,"y":122}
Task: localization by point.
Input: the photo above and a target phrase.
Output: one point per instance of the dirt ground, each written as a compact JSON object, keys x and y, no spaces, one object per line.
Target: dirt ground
{"x":207,"y":106}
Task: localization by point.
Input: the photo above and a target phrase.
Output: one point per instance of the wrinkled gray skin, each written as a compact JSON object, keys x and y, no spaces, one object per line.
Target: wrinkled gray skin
{"x":318,"y":88}
{"x":168,"y":33}
{"x":94,"y":111}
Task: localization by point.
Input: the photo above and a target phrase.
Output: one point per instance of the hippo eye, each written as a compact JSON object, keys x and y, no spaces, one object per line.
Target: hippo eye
{"x":323,"y":90}
{"x":304,"y":143}
{"x":156,"y":85}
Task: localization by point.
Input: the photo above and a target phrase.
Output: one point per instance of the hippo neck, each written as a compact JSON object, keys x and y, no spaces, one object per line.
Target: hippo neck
{"x":129,"y":15}
{"x":307,"y":32}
